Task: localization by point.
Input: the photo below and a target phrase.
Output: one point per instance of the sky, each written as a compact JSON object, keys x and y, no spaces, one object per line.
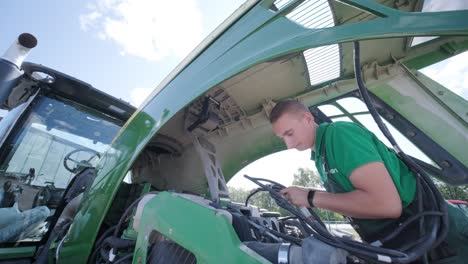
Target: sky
{"x":123,"y":47}
{"x":127,"y":47}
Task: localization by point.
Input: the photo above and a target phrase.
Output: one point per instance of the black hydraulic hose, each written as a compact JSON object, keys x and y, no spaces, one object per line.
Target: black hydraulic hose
{"x":124,"y":215}
{"x":422,"y":231}
{"x":119,"y":243}
{"x":420,"y":193}
{"x":115,"y":229}
{"x":442,"y":207}
{"x":98,"y":244}
{"x":365,"y":251}
{"x":127,"y":211}
{"x":289,"y":238}
{"x":437,"y":196}
{"x":274,"y":186}
{"x":367,"y":100}
{"x":295,"y":223}
{"x":278,"y":198}
{"x":408,"y":222}
{"x":412,"y":244}
{"x":266,"y":180}
{"x":124,"y":258}
{"x":105,"y":234}
{"x":284,"y":203}
{"x":252,"y":194}
{"x":426,"y":192}
{"x":322,"y":233}
{"x":58,"y":230}
{"x":417,"y":170}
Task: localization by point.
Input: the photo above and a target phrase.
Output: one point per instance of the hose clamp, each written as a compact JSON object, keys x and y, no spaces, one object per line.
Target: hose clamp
{"x":283,"y":253}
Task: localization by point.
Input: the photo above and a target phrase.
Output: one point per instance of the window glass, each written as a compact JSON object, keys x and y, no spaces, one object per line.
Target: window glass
{"x":438,"y":6}
{"x":330,"y":110}
{"x":352,"y":105}
{"x":452,"y":73}
{"x":323,"y":63}
{"x":344,"y":118}
{"x":56,"y":141}
{"x":407,"y":146}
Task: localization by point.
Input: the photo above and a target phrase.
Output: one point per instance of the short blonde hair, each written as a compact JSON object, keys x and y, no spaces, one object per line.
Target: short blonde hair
{"x":287,"y":106}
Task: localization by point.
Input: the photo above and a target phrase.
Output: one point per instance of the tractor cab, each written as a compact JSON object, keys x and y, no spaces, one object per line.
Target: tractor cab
{"x":54,"y":129}
{"x":158,"y":192}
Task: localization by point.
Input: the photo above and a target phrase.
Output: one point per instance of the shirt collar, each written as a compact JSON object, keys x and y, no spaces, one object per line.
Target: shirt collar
{"x":318,"y":139}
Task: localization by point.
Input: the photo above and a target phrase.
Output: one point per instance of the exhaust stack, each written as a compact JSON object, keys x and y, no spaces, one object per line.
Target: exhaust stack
{"x":10,"y":65}
{"x":19,"y":50}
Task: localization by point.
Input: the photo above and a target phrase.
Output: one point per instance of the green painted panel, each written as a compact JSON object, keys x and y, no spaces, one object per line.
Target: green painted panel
{"x":445,"y":51}
{"x":175,"y":218}
{"x":428,"y":116}
{"x":17,"y":252}
{"x":258,"y":36}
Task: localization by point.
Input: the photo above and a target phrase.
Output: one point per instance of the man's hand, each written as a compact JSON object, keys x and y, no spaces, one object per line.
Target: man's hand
{"x":296,"y":195}
{"x":375,"y":195}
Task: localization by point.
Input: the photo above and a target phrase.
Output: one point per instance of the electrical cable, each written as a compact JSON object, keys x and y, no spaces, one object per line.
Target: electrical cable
{"x":124,"y":258}
{"x":127,"y":211}
{"x":436,"y":211}
{"x":407,"y":222}
{"x":98,"y":245}
{"x":362,"y":250}
{"x":115,"y":229}
{"x":252,"y":194}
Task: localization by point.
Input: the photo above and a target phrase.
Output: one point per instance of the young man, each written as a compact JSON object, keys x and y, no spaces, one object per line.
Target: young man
{"x":363,"y":178}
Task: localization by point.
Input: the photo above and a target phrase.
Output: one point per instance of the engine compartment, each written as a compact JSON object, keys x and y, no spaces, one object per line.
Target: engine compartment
{"x":160,"y":227}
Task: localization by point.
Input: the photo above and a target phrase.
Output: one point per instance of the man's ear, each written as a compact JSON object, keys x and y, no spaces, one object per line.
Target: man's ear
{"x":308,"y":117}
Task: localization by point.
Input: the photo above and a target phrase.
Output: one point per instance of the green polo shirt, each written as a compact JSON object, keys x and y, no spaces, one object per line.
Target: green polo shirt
{"x":349,"y":146}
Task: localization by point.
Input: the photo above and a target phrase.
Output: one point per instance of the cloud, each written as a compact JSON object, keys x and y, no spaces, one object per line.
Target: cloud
{"x":437,"y":5}
{"x":138,"y":95}
{"x":149,"y":29}
{"x":451,"y":73}
{"x":86,"y":21}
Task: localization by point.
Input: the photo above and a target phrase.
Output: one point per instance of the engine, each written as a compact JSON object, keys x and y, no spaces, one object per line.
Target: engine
{"x":183,"y":228}
{"x":277,"y":239}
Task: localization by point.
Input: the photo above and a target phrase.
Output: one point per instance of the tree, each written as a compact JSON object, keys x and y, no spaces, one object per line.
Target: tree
{"x":238,"y":195}
{"x":307,"y":178}
{"x":450,"y":192}
{"x":261,"y":199}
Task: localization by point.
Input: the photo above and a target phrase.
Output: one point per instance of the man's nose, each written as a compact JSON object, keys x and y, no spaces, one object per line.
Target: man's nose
{"x":289,"y":144}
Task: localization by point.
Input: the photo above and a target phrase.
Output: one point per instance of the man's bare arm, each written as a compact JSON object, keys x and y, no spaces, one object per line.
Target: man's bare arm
{"x":375,"y":195}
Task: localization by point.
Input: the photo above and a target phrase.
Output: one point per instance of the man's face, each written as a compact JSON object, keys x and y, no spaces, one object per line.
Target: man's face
{"x":296,"y":130}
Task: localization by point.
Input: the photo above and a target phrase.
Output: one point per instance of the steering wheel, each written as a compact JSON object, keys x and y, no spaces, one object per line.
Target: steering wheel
{"x":79,"y":164}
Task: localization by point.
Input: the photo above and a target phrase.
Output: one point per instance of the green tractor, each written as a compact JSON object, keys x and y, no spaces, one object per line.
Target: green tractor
{"x":104,"y":182}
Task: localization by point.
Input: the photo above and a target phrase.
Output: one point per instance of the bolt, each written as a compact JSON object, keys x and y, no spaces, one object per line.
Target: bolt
{"x":410,"y":133}
{"x":440,"y":93}
{"x":147,"y":123}
{"x":446,"y":164}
